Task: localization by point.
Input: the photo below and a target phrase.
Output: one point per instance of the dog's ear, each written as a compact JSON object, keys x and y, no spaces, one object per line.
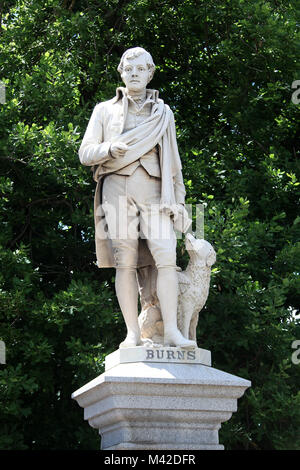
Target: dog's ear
{"x":211,"y":257}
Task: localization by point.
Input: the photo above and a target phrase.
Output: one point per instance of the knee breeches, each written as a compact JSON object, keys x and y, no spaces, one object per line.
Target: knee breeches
{"x":131,"y":207}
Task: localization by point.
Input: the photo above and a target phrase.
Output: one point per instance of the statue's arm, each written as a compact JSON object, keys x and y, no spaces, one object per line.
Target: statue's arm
{"x":179,"y":187}
{"x":93,"y":150}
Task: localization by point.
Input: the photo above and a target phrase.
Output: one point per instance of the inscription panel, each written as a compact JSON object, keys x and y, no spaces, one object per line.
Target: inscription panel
{"x":162,"y":354}
{"x":175,"y":354}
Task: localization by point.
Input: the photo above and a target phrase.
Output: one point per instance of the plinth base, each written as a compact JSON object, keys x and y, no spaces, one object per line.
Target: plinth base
{"x":160,"y":406}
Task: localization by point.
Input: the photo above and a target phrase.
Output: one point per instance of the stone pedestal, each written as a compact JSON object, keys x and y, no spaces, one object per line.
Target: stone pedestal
{"x":160,"y":401}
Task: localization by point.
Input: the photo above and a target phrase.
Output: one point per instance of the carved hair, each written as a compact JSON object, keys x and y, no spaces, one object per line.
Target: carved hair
{"x":136,"y":52}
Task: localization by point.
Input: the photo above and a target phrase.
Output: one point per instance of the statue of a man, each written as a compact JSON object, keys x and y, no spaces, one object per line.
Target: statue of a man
{"x":131,"y":143}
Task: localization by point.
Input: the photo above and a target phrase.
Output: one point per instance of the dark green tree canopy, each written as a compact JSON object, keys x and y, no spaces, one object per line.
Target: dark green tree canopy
{"x":226,"y":68}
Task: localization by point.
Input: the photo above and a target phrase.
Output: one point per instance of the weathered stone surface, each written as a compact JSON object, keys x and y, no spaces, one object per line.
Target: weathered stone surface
{"x":160,"y":406}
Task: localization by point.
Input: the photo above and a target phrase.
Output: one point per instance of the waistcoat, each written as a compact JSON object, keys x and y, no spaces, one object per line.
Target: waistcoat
{"x":150,"y":161}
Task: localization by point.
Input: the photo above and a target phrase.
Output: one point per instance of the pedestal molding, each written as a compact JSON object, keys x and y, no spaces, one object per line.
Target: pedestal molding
{"x":160,"y":405}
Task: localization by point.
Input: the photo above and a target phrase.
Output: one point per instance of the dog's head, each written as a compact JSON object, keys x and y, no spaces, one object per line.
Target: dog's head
{"x":200,"y":249}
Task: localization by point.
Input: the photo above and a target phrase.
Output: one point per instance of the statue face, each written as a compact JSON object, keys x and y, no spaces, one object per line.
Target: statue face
{"x":135,"y":73}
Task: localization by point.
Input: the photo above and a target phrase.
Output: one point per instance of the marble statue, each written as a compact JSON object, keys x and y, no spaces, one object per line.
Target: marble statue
{"x":130,"y":143}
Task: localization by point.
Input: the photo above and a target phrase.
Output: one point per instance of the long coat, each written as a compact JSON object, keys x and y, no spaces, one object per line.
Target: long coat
{"x":106,"y":126}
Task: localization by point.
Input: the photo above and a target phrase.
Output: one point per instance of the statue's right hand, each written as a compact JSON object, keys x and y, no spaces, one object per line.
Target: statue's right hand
{"x":118,"y":149}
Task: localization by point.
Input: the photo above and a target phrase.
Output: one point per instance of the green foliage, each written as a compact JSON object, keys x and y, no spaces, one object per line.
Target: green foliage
{"x":226,"y":69}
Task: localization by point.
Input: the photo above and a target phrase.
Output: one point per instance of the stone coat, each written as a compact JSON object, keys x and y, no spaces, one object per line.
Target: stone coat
{"x":106,"y":126}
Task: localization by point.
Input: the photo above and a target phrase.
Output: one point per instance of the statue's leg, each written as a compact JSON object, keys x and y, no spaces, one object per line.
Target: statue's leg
{"x":167,"y":292}
{"x":122,"y":223}
{"x":127,"y":294}
{"x":126,"y":286}
{"x":162,"y":244}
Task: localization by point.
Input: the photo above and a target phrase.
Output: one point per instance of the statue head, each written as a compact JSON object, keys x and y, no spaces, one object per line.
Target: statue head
{"x":136,"y":60}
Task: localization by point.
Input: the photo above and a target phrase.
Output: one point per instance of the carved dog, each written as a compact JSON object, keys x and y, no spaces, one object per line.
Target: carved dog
{"x":193,"y":292}
{"x":194,"y":284}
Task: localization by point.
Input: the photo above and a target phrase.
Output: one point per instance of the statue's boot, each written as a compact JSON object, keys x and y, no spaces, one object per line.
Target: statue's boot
{"x":132,"y":339}
{"x":127,"y":294}
{"x":175,"y":338}
{"x":167,"y":293}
